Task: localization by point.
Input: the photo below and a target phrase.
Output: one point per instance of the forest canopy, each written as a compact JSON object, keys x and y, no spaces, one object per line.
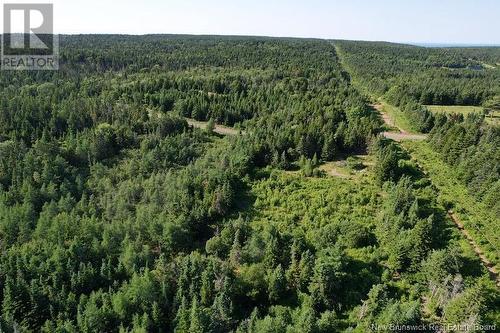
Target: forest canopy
{"x":117,"y":215}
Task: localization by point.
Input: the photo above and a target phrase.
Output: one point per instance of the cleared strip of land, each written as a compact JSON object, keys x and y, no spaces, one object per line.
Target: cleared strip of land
{"x":481,"y":224}
{"x":477,"y":224}
{"x":484,"y":260}
{"x":480,"y":227}
{"x":477,"y":234}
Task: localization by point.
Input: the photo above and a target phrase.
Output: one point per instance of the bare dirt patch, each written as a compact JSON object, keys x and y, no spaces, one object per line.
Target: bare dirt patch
{"x":404,"y":136}
{"x":219,"y":129}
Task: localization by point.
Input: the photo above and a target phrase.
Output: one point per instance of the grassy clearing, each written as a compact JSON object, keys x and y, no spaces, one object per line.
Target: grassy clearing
{"x":326,"y":211}
{"x":482,"y":224}
{"x":290,"y":200}
{"x":354,"y":168}
{"x":335,"y":169}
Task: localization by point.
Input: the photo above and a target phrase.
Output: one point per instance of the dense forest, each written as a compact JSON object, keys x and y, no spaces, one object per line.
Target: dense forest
{"x":116,"y":215}
{"x":440,"y":76}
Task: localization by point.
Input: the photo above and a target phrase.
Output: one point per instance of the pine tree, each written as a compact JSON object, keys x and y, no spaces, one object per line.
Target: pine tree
{"x":293,"y":271}
{"x":315,"y":162}
{"x":250,"y":324}
{"x":308,"y":168}
{"x":284,"y":163}
{"x":207,"y":285}
{"x":196,"y":318}
{"x":276,"y":284}
{"x":222,"y":309}
{"x":305,"y":318}
{"x":235,"y":253}
{"x":210,"y":126}
{"x":306,"y":267}
{"x":329,"y":149}
{"x":182,"y":319}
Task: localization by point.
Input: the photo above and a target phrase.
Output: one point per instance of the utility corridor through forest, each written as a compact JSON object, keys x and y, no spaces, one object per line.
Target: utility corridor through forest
{"x":404,"y":135}
{"x":484,"y":260}
{"x":398,"y":134}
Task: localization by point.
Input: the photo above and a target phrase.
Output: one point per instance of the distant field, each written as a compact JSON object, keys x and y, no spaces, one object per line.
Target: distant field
{"x":465,"y":110}
{"x":492,"y":118}
{"x":488,"y":66}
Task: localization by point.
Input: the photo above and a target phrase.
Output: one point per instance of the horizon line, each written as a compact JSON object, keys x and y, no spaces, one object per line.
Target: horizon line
{"x":412,"y":43}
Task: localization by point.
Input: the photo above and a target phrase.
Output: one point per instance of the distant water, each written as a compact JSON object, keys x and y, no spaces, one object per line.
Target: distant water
{"x":453,"y":45}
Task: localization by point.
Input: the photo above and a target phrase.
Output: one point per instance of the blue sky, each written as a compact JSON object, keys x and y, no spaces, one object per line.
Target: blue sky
{"x":438,"y":21}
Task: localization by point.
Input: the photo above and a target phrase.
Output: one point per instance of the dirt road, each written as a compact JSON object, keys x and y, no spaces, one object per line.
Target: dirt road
{"x":404,"y":136}
{"x":399,"y":134}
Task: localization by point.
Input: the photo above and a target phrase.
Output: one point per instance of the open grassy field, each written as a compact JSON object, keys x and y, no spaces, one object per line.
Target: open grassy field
{"x":460,"y":109}
{"x":492,"y":118}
